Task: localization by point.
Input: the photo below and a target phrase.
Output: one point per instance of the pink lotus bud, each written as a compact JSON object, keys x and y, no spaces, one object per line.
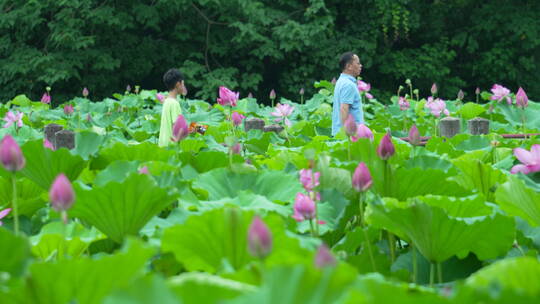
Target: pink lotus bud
{"x":3,"y":214}
{"x":47,"y":144}
{"x":434,"y":89}
{"x":309,"y":179}
{"x":46,"y":98}
{"x":144,"y":170}
{"x":85,"y":92}
{"x":259,"y":239}
{"x":237,"y":118}
{"x":460,"y":95}
{"x":386,"y":149}
{"x":361,"y":179}
{"x":403,"y":103}
{"x":414,"y":136}
{"x":250,"y":95}
{"x":11,"y":155}
{"x":350,"y":126}
{"x":227,"y":97}
{"x":128,"y":88}
{"x":362,"y":132}
{"x":236,"y":149}
{"x":68,"y":109}
{"x":302,"y":91}
{"x":160,"y":97}
{"x":304,"y":208}
{"x":272,"y":94}
{"x":334,"y":81}
{"x":180,"y":129}
{"x":522,"y":101}
{"x":324,"y":257}
{"x":477,"y":91}
{"x":61,"y":193}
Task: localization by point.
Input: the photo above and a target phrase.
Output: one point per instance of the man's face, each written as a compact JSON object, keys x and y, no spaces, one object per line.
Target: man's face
{"x":354,"y":66}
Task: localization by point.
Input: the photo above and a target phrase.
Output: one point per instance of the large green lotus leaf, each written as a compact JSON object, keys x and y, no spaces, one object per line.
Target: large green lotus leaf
{"x":205,"y":161}
{"x":88,"y":144}
{"x":274,"y":185}
{"x":192,"y":145}
{"x":441,"y":227}
{"x":43,"y":165}
{"x":247,"y":201}
{"x":142,"y":152}
{"x":14,"y":254}
{"x":517,"y":199}
{"x":521,"y":274}
{"x":280,"y":159}
{"x":300,"y":284}
{"x":429,"y":162}
{"x":117,"y":171}
{"x":258,"y":144}
{"x":146,"y":290}
{"x":216,"y":241}
{"x":204,"y":288}
{"x":470,"y":110}
{"x":332,"y":210}
{"x":84,"y":280}
{"x":478,"y":176}
{"x":121,"y":209}
{"x":475,"y":142}
{"x":374,"y":288}
{"x":334,"y":178}
{"x":211,"y":118}
{"x":514,"y":115}
{"x":29,"y":198}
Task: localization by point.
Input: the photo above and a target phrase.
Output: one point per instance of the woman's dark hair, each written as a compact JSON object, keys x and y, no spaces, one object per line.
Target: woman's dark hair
{"x":345,"y":59}
{"x":171,"y":77}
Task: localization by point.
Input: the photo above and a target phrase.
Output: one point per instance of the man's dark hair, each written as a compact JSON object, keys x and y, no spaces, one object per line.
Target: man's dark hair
{"x":345,"y":59}
{"x":171,"y":77}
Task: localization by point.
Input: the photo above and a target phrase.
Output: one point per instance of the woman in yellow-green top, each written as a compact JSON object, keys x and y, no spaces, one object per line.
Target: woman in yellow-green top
{"x":174,"y":81}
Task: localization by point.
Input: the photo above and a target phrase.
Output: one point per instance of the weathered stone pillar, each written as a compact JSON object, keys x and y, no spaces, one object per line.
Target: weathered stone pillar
{"x":449,"y":127}
{"x":50,"y":131}
{"x":273,"y":128}
{"x":478,"y":126}
{"x":65,"y":139}
{"x":253,"y":123}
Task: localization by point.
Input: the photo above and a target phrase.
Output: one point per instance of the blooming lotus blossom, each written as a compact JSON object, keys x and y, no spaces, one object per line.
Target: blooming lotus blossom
{"x":364,"y":87}
{"x":403,"y":103}
{"x":414,"y":136}
{"x":12,"y":118}
{"x":500,"y":93}
{"x":530,"y":160}
{"x":85,"y":92}
{"x":434,"y":89}
{"x":522,"y":101}
{"x":47,"y":144}
{"x":304,"y":208}
{"x":180,"y":129}
{"x":68,"y":109}
{"x":46,"y":98}
{"x":386,"y":149}
{"x":324,"y":257}
{"x":144,"y":170}
{"x":309,"y":179}
{"x":227,"y":97}
{"x":3,"y":214}
{"x":272,"y":94}
{"x":259,"y":239}
{"x":362,"y":131}
{"x":237,"y":118}
{"x":281,"y":112}
{"x":236,"y":148}
{"x":160,"y":97}
{"x":362,"y":179}
{"x":350,"y":125}
{"x":61,"y":193}
{"x":437,"y":106}
{"x":11,"y":155}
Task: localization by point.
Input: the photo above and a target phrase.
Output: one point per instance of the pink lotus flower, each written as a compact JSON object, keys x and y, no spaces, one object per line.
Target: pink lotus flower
{"x":403,"y":103}
{"x":180,"y":129}
{"x":350,"y":126}
{"x":236,"y":148}
{"x":530,"y":160}
{"x":144,"y":170}
{"x":309,"y":179}
{"x":324,"y":257}
{"x":68,"y":109}
{"x":46,"y":98}
{"x":500,"y":93}
{"x":437,"y":106}
{"x":414,"y":136}
{"x":11,"y":155}
{"x":259,"y":239}
{"x":12,"y":118}
{"x":362,"y":131}
{"x":522,"y":101}
{"x":3,"y":214}
{"x":334,"y":81}
{"x":364,"y":87}
{"x":85,"y":92}
{"x":272,"y":94}
{"x":477,"y":91}
{"x":47,"y":144}
{"x":237,"y":118}
{"x":304,"y":208}
{"x":386,"y":149}
{"x":160,"y":97}
{"x":434,"y":89}
{"x":282,"y":111}
{"x":361,"y":179}
{"x":61,"y":193}
{"x":227,"y":97}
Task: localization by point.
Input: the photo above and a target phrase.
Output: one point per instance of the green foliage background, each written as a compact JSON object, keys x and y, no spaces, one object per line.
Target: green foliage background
{"x":254,"y":46}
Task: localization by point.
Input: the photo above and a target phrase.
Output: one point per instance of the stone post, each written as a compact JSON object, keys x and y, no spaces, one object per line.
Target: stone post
{"x":65,"y":139}
{"x":273,"y":128}
{"x":253,"y":123}
{"x":50,"y":131}
{"x":449,"y":127}
{"x":478,"y":126}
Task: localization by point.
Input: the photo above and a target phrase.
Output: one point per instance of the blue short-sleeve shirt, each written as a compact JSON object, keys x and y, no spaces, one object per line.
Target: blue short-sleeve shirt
{"x":346,"y":91}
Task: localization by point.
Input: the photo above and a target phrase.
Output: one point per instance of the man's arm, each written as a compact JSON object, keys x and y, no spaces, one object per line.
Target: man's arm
{"x":344,"y":112}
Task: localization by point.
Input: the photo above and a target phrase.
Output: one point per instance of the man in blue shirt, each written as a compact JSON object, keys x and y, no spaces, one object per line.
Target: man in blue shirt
{"x":346,"y":96}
